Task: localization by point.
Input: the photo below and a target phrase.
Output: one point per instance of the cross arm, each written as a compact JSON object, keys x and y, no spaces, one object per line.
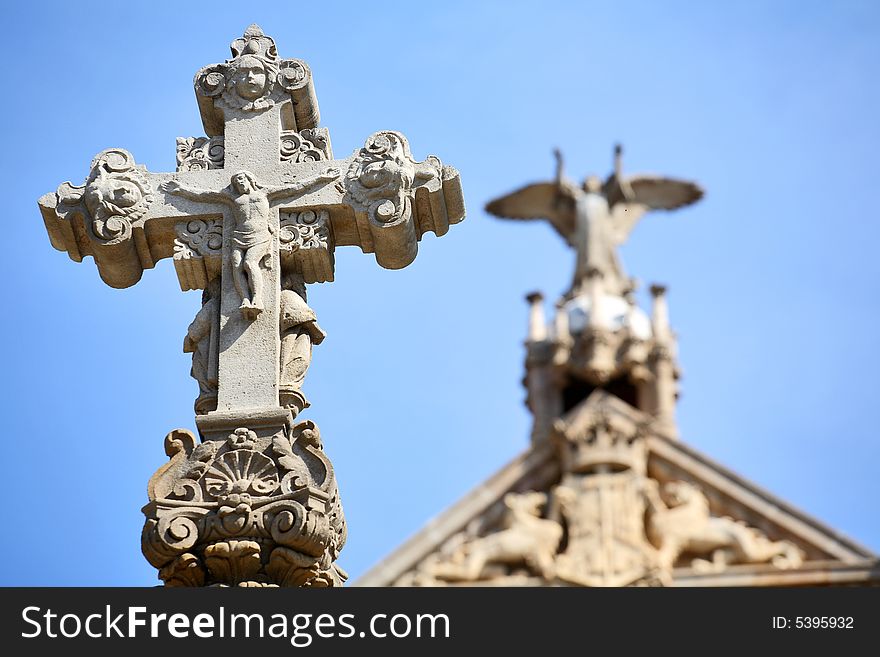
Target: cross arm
{"x":383,"y":202}
{"x":121,"y":217}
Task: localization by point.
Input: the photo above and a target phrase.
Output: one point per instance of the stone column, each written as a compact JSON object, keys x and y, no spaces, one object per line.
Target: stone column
{"x":663,"y":362}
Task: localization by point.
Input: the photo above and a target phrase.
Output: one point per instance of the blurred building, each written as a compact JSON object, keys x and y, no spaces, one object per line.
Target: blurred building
{"x":607,"y":494}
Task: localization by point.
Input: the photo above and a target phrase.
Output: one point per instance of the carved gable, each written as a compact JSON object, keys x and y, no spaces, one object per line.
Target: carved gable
{"x":611,"y":502}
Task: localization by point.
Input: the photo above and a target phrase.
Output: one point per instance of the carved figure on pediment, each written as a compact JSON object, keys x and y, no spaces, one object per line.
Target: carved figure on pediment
{"x":524,"y":538}
{"x":254,"y":228}
{"x":202,"y":341}
{"x":299,"y":332}
{"x":680,"y":523}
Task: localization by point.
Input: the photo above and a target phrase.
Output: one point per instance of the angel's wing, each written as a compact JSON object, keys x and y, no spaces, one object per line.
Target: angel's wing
{"x":644,"y":193}
{"x":659,"y":193}
{"x":539,"y":201}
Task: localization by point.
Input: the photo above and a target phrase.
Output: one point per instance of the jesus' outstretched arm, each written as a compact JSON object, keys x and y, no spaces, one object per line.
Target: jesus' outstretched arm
{"x":302,"y":186}
{"x":193,"y":193}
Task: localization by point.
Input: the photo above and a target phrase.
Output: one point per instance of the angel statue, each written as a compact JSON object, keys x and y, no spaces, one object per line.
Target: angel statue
{"x":595,"y":217}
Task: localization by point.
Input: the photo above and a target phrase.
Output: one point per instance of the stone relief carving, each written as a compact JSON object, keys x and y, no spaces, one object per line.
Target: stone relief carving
{"x":199,"y":153}
{"x":604,"y":519}
{"x":203,"y":342}
{"x":299,"y":332}
{"x":523,"y":538}
{"x":308,"y":229}
{"x":680,"y":523}
{"x":306,"y":244}
{"x":252,"y":510}
{"x":198,"y":248}
{"x":380,"y":180}
{"x":116,"y":193}
{"x":605,"y":522}
{"x":249,"y":202}
{"x":310,"y":145}
{"x":617,"y":529}
{"x":250,"y":80}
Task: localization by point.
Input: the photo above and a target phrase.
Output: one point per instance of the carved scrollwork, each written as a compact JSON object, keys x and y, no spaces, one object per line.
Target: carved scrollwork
{"x":296,"y":527}
{"x":177,"y":532}
{"x":396,"y":199}
{"x":255,"y":78}
{"x":116,"y":193}
{"x":200,"y":153}
{"x":293,"y":74}
{"x":228,"y":503}
{"x":306,"y":244}
{"x":297,"y":474}
{"x":198,"y":247}
{"x":198,"y":238}
{"x":99,"y":217}
{"x":308,"y":229}
{"x":211,"y":80}
{"x":69,"y":195}
{"x":381,"y":177}
{"x":305,"y":146}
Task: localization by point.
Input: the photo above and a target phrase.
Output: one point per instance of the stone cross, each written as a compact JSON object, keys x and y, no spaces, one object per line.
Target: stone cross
{"x":253,"y":213}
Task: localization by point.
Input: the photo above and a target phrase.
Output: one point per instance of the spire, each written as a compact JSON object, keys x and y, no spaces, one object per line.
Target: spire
{"x":561,"y":328}
{"x":537,"y":322}
{"x":660,"y":314}
{"x":665,"y":391}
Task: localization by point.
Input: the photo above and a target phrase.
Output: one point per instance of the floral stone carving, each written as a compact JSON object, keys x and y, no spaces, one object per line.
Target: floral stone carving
{"x":199,"y":153}
{"x":250,"y":510}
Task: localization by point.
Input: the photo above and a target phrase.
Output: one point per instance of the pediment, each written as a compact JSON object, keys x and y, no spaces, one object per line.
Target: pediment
{"x":554,"y":516}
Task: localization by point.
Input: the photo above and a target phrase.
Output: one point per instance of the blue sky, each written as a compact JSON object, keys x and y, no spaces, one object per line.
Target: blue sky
{"x":774,"y":279}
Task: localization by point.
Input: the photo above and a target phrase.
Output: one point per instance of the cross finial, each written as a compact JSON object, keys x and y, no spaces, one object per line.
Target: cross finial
{"x":254,"y":42}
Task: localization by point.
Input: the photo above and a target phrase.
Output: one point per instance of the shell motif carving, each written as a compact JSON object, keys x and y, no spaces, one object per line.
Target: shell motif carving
{"x":241,"y":471}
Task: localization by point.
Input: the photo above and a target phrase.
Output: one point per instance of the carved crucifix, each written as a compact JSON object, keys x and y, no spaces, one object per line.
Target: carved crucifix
{"x":253,"y":213}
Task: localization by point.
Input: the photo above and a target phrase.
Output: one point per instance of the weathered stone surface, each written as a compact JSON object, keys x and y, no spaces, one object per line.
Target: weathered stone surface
{"x":254,"y":211}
